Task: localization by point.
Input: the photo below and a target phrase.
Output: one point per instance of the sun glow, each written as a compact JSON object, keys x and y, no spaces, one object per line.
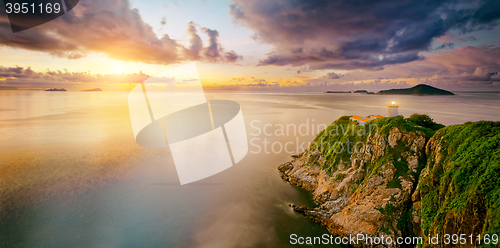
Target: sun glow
{"x":118,"y":69}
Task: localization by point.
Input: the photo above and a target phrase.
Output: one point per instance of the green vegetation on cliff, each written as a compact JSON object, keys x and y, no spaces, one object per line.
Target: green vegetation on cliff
{"x":339,"y":141}
{"x":460,"y":190}
{"x":340,"y":144}
{"x":402,"y":177}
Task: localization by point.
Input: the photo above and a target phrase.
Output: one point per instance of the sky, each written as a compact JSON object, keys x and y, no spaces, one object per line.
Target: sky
{"x":279,"y":45}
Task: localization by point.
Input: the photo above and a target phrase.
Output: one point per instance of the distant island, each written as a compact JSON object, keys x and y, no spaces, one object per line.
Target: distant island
{"x":363,"y":92}
{"x":331,"y":91}
{"x":94,"y":89}
{"x":56,"y":89}
{"x":421,"y":89}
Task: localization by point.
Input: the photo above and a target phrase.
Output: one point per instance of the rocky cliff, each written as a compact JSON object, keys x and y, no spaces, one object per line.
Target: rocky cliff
{"x":459,"y":188}
{"x":364,"y":178}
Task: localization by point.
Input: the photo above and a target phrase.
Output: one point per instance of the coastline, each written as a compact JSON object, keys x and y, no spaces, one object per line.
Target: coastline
{"x":381,"y":190}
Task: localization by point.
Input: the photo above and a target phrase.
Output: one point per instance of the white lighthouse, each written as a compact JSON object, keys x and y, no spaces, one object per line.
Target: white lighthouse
{"x":393,"y":110}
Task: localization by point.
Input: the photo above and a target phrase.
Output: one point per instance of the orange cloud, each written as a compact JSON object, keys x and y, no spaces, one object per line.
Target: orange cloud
{"x":116,"y":29}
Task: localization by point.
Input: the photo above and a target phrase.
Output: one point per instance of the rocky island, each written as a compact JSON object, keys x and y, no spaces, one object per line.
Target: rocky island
{"x":94,"y":89}
{"x":402,"y":177}
{"x":421,"y":90}
{"x":363,"y":92}
{"x":332,"y":91}
{"x":56,"y":89}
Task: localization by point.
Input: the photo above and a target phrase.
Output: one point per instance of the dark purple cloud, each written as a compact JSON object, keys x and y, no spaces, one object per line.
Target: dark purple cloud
{"x":111,"y":27}
{"x":445,"y":46}
{"x":466,"y":39}
{"x":463,"y":68}
{"x":359,"y":34}
{"x":332,"y":75}
{"x":214,"y":51}
{"x":232,"y":56}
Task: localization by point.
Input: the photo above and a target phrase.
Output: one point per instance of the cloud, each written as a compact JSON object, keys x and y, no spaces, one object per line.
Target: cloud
{"x":466,"y":39}
{"x":464,"y":68}
{"x":110,"y":27}
{"x":445,"y":46}
{"x":332,"y":75}
{"x":467,"y":68}
{"x":232,"y":56}
{"x":195,"y":43}
{"x":260,"y":86}
{"x":465,"y":59}
{"x":365,"y":34}
{"x":370,"y":85}
{"x":480,"y":75}
{"x":259,"y":80}
{"x":237,"y":79}
{"x":19,"y":77}
{"x":212,"y":51}
{"x":479,"y":78}
{"x":303,"y":69}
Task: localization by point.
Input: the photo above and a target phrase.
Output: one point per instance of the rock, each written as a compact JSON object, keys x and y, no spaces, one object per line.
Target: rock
{"x":394,"y":136}
{"x":358,"y":198}
{"x":454,"y":194}
{"x":416,"y":196}
{"x":373,"y":190}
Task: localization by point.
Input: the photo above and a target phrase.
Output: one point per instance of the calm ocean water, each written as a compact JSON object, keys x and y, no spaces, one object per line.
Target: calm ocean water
{"x":71,"y":174}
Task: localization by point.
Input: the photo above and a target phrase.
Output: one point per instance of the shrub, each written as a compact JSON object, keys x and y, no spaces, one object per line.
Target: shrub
{"x":425,"y":120}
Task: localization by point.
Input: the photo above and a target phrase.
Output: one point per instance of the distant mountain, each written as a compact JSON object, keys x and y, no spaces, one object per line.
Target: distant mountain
{"x":56,"y":89}
{"x":361,"y":91}
{"x":94,"y":89}
{"x":421,"y":89}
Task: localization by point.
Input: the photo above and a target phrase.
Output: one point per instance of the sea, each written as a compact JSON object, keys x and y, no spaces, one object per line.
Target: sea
{"x":72,"y":175}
